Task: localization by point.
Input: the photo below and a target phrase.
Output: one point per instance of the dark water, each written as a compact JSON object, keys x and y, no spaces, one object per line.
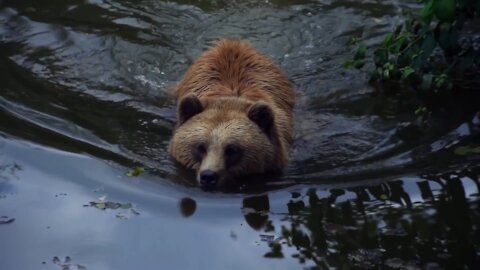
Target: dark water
{"x":84,"y":98}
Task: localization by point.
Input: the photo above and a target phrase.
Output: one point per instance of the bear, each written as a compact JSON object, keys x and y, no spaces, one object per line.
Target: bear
{"x":234,"y":115}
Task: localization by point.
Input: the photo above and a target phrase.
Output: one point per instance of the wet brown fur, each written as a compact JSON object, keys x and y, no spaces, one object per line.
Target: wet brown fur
{"x":228,"y":79}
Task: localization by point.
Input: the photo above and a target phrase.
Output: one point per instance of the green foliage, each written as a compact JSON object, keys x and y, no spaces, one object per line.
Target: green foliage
{"x":431,"y":52}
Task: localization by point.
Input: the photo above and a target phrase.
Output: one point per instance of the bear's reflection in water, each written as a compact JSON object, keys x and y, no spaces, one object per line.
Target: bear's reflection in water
{"x":255,"y":210}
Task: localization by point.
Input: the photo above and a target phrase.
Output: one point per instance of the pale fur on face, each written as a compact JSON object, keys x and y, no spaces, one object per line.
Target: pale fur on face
{"x":201,"y":143}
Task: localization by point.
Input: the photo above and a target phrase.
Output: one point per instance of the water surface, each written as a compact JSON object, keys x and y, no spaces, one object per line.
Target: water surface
{"x":84,"y":97}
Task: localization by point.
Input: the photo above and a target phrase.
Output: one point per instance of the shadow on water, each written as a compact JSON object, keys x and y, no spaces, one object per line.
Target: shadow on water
{"x":84,"y":96}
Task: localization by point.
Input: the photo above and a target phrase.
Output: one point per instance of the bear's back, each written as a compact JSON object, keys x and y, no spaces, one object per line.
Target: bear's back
{"x":233,"y":68}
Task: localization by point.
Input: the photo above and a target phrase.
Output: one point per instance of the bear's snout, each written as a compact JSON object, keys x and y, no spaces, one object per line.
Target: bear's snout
{"x":208,"y":178}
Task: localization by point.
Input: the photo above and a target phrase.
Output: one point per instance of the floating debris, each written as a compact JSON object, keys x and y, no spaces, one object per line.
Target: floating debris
{"x":135,"y":172}
{"x":66,"y":264}
{"x":110,"y":205}
{"x":6,"y":220}
{"x":126,"y":209}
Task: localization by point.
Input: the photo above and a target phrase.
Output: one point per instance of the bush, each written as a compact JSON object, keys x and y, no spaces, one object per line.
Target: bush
{"x":431,"y":51}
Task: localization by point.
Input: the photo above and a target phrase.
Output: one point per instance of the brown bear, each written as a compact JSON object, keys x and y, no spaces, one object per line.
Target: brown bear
{"x":234,"y":114}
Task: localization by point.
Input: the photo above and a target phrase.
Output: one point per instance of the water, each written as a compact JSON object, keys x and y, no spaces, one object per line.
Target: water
{"x":84,"y":98}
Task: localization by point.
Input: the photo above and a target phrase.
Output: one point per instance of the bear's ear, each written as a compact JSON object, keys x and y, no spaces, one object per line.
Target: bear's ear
{"x":261,"y":114}
{"x":188,"y":107}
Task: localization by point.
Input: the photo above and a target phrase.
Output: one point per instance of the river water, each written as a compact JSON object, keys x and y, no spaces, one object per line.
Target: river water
{"x":84,"y":98}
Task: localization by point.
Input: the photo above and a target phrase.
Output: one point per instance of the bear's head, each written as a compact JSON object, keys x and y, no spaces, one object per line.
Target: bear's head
{"x":224,"y":138}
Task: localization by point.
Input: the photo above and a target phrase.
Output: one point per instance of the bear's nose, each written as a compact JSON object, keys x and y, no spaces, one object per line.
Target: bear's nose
{"x":208,"y":178}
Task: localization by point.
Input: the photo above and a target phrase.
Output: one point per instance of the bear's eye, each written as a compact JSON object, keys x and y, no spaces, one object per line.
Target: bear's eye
{"x":232,"y":150}
{"x":199,"y":151}
{"x":233,"y":154}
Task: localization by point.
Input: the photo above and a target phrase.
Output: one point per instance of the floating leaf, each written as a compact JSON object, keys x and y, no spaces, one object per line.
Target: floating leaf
{"x":100,"y":206}
{"x":112,"y":205}
{"x":135,"y":171}
{"x":126,"y":206}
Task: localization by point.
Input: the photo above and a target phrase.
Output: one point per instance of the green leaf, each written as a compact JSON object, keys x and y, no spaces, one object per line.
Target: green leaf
{"x":360,"y":54}
{"x":387,"y":41}
{"x":440,"y":80}
{"x":358,"y":64}
{"x":398,"y":44}
{"x":421,"y":111}
{"x":380,"y":56}
{"x":445,"y":10}
{"x":135,"y":171}
{"x":406,"y":72}
{"x":386,"y":74}
{"x":427,"y":12}
{"x":427,"y":81}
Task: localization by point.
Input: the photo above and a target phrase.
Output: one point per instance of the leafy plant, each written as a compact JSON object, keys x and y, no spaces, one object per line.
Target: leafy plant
{"x":429,"y":52}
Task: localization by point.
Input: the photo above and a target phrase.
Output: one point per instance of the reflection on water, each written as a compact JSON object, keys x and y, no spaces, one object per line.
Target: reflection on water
{"x":435,"y":226}
{"x":84,"y":96}
{"x":430,"y":222}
